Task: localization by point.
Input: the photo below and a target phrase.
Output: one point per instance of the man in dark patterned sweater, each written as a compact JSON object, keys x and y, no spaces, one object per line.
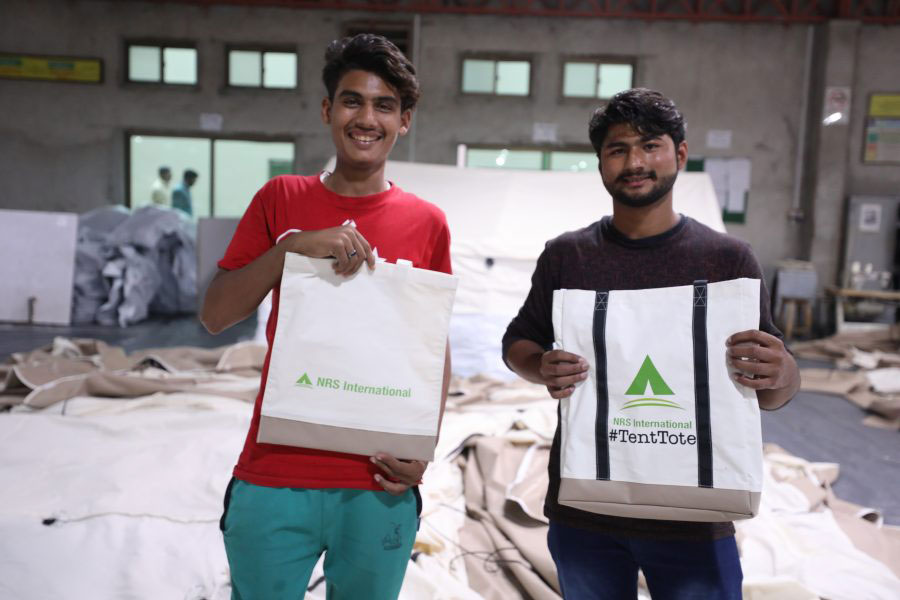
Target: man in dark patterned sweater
{"x":639,"y":140}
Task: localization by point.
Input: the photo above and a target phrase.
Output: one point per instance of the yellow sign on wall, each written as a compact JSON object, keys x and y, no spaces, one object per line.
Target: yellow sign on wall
{"x":884,"y":105}
{"x":51,"y":68}
{"x":882,"y":143}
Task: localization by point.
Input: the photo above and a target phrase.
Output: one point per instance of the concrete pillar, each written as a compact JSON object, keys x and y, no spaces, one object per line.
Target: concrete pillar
{"x":831,"y":153}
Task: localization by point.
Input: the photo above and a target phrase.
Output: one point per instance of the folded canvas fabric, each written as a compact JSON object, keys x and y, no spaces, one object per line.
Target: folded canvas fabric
{"x":867,"y":349}
{"x":870,"y":390}
{"x":143,"y":480}
{"x":77,"y":367}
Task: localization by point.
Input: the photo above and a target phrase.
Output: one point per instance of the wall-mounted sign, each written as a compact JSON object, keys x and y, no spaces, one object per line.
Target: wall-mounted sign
{"x":731,"y":180}
{"x":870,"y":217}
{"x":718,"y":139}
{"x":837,"y":105}
{"x":882,"y":144}
{"x":544,"y":132}
{"x":211,"y":121}
{"x":51,"y":68}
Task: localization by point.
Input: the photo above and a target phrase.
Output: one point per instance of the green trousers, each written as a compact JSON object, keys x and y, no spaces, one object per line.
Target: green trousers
{"x":274,"y":537}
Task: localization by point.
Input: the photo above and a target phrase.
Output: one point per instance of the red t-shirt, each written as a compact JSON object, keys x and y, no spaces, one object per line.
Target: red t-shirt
{"x":398,"y":225}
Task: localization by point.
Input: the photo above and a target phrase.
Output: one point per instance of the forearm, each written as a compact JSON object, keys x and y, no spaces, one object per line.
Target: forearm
{"x":524,"y":358}
{"x":233,"y":295}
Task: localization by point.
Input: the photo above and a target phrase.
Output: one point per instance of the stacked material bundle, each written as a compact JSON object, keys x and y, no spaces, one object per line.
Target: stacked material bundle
{"x":130,"y":265}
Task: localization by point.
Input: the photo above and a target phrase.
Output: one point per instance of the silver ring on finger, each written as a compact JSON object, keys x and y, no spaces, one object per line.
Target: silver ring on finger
{"x":352,"y":254}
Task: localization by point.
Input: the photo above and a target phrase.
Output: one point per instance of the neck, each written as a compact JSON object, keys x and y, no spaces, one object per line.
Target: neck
{"x":356,"y":182}
{"x":646,"y":221}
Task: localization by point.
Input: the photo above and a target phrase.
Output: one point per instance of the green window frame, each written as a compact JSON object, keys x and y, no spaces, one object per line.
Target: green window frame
{"x":256,"y":67}
{"x":485,"y":75}
{"x":596,"y":78}
{"x":166,"y":63}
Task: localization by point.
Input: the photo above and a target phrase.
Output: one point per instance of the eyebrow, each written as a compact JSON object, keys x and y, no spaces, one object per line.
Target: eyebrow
{"x":352,"y":94}
{"x":644,"y":139}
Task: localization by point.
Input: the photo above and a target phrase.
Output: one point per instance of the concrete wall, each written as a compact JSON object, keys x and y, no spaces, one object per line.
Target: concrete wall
{"x":63,"y":145}
{"x":877,"y":70}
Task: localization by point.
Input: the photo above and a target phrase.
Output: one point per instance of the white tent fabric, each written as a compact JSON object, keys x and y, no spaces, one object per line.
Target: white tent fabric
{"x":121,"y":499}
{"x":511,"y":213}
{"x":499,"y":222}
{"x":135,"y":487}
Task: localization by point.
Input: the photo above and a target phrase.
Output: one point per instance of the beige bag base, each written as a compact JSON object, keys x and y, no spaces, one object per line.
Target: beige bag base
{"x":273,"y":430}
{"x":652,"y":501}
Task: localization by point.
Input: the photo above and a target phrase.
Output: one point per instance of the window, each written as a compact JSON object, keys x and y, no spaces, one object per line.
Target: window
{"x":229,"y":171}
{"x":502,"y":158}
{"x":573,"y":161}
{"x":170,"y":64}
{"x":535,"y":159}
{"x":595,"y":79}
{"x":500,"y":77}
{"x":275,"y":69}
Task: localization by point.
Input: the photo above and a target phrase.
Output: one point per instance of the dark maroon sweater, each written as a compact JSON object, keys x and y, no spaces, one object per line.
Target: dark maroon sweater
{"x":599,"y":257}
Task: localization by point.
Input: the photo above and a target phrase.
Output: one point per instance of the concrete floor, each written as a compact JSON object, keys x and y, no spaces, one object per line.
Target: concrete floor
{"x":814,"y":426}
{"x":824,"y":428}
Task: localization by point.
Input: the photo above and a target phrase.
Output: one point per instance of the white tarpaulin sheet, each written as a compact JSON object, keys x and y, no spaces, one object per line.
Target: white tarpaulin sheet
{"x":131,"y":492}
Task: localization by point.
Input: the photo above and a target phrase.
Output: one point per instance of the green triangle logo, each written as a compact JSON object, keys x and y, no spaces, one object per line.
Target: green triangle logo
{"x":304,"y":380}
{"x":648,"y":374}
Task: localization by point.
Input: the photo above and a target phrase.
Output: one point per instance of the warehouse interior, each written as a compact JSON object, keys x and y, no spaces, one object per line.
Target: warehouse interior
{"x":793,"y":133}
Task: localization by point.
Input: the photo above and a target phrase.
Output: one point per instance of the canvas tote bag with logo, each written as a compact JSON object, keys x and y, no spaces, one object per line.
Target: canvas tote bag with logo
{"x":357,"y":362}
{"x":659,"y":429}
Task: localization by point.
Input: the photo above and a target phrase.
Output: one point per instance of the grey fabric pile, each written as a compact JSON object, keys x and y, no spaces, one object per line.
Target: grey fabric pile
{"x":129,"y":265}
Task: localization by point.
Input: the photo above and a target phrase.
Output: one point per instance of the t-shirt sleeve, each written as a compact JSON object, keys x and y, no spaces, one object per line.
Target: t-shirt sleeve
{"x":535,"y":319}
{"x":440,"y":250}
{"x":253,"y":235}
{"x":749,"y":267}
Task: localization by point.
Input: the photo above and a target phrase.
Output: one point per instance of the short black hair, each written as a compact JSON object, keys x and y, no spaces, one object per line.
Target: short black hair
{"x":648,"y":111}
{"x":375,"y":54}
{"x":190,"y":173}
{"x":164,"y":169}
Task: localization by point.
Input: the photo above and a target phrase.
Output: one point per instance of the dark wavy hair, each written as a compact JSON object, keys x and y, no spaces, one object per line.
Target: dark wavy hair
{"x":648,"y":111}
{"x":375,"y":54}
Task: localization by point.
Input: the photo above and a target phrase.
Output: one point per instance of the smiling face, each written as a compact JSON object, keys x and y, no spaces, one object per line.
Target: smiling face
{"x":365,"y":119}
{"x":639,"y":170}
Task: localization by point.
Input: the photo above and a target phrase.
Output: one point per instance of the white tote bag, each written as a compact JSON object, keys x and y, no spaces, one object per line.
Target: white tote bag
{"x":357,"y":362}
{"x":659,"y":429}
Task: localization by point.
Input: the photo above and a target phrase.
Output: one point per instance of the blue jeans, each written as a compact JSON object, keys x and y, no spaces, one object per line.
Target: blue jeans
{"x":596,"y":566}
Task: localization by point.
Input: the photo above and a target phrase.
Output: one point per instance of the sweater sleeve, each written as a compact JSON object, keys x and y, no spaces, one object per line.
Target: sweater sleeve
{"x":749,"y":267}
{"x":535,"y":318}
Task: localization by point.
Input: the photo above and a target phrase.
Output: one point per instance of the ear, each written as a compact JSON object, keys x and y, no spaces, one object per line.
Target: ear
{"x":405,"y":121}
{"x":682,"y":154}
{"x":326,"y":111}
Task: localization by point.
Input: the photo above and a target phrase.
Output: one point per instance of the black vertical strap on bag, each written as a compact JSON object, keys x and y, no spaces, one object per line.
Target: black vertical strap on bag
{"x":701,"y":388}
{"x":600,"y":425}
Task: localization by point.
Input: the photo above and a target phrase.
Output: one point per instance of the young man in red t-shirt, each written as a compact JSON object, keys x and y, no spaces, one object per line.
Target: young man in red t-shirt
{"x":285,"y":505}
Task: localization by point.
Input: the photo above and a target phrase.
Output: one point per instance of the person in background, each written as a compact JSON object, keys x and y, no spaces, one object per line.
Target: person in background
{"x":181,"y":195}
{"x":159,"y":193}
